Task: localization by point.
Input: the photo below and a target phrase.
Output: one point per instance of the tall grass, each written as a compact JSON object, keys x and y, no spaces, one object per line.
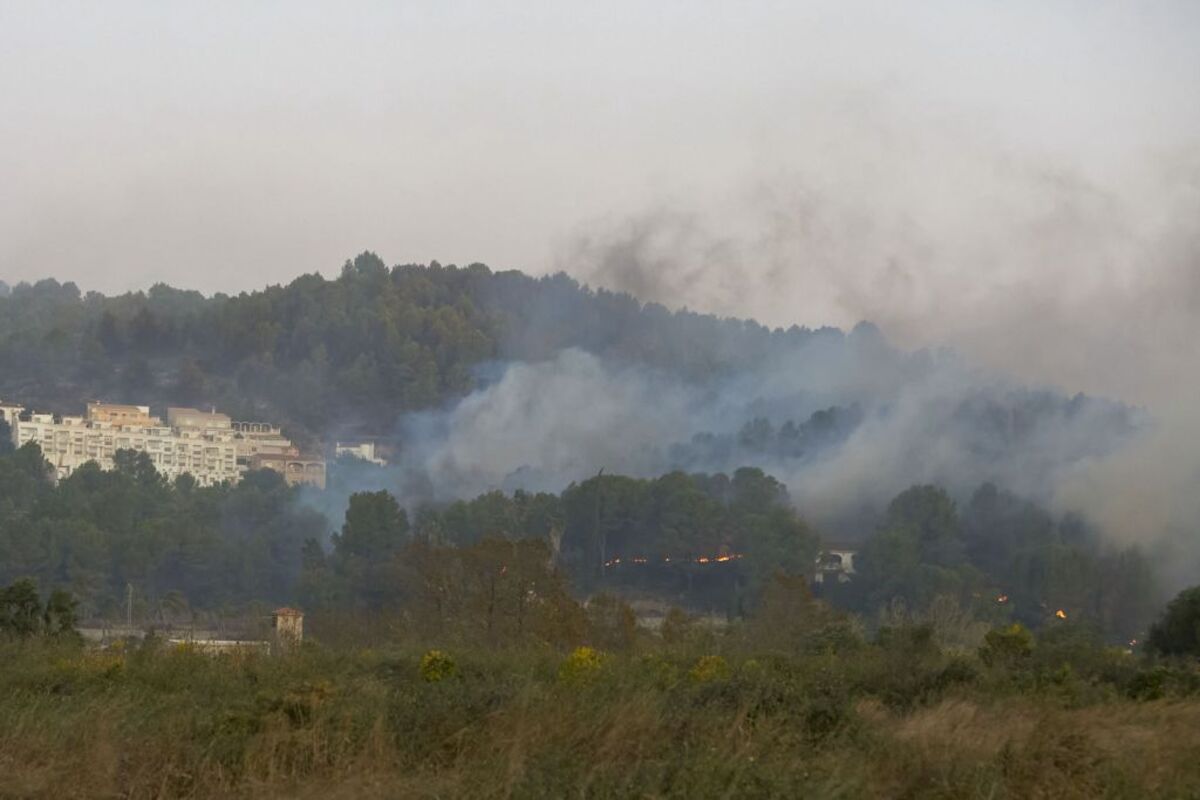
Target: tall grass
{"x":705,"y":717}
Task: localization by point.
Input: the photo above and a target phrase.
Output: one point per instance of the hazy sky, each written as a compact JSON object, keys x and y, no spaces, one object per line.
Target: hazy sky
{"x":933,"y":166}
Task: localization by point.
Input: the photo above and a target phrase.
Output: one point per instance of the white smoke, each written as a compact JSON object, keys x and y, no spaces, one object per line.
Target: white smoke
{"x":545,"y":424}
{"x":1032,"y":264}
{"x":926,"y":418}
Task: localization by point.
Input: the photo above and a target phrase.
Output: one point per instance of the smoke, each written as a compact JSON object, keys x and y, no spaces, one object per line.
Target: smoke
{"x":1046,"y":281}
{"x":1023,"y":265}
{"x":1025,"y":262}
{"x":916,"y":417}
{"x":544,"y":424}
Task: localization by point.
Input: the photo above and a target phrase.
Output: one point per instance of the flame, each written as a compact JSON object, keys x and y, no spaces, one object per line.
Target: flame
{"x":1133,"y":642}
{"x":717,"y":559}
{"x":1002,"y":598}
{"x":1060,"y":614}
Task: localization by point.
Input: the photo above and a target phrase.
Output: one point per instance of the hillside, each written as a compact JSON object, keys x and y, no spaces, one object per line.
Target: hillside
{"x":367,"y":346}
{"x":498,"y":380}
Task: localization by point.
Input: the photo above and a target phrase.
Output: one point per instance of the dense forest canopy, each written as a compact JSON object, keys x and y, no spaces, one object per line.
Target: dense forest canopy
{"x":642,"y":450}
{"x":367,"y":346}
{"x":444,"y":359}
{"x":706,"y":542}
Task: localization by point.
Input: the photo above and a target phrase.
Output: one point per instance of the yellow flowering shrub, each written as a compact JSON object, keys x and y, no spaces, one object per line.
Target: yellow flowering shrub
{"x":709,"y":669}
{"x":582,"y":665}
{"x":437,"y":666}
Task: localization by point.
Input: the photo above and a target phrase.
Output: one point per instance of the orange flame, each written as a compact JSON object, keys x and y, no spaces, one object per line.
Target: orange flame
{"x":717,"y":559}
{"x":1002,"y":598}
{"x":1060,"y":614}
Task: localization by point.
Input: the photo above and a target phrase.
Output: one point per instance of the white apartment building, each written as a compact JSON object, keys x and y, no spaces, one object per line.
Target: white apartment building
{"x":208,"y":445}
{"x":261,"y":438}
{"x":363,"y":450}
{"x":251,"y":438}
{"x":68,"y":443}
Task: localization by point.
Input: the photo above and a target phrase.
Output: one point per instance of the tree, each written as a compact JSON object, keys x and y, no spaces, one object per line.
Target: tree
{"x":917,"y":555}
{"x":376,"y":527}
{"x":20,"y":609}
{"x":790,"y":620}
{"x":774,"y":542}
{"x":756,"y":435}
{"x":375,"y":531}
{"x":927,"y":513}
{"x":495,"y":591}
{"x":754,"y":490}
{"x":1177,"y":632}
{"x":59,"y":617}
{"x":96,"y":530}
{"x":612,"y":624}
{"x":1007,"y":646}
{"x":190,"y":382}
{"x":139,"y":466}
{"x":137,"y":377}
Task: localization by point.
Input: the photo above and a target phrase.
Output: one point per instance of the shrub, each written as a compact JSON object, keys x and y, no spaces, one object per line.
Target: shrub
{"x":710,"y":669}
{"x":825,"y":715}
{"x":1164,"y":681}
{"x":1007,"y":646}
{"x":437,"y":666}
{"x":299,"y":704}
{"x":657,"y":670}
{"x":581,"y":666}
{"x":958,"y":672}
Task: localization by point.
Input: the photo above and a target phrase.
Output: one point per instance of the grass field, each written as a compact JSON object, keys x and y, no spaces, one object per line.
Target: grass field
{"x":714,"y":716}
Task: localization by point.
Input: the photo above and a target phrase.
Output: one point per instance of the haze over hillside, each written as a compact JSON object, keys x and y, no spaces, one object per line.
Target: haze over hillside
{"x":540,"y":411}
{"x":497,"y":380}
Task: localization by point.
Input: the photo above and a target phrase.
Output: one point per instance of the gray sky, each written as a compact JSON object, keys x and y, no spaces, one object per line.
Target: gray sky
{"x":933,"y":166}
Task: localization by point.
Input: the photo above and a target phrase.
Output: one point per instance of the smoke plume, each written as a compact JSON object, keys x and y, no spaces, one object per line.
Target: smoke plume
{"x":1027,"y":265}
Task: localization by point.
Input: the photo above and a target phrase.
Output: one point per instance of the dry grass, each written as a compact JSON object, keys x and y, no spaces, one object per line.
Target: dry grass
{"x":364,"y":724}
{"x":1025,"y":748}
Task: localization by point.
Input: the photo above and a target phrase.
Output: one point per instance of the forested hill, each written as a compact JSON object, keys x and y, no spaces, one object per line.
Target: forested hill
{"x":367,"y":346}
{"x":532,"y":383}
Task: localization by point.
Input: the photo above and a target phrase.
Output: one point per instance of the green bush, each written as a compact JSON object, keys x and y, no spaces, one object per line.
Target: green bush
{"x":1008,"y":646}
{"x":437,"y":666}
